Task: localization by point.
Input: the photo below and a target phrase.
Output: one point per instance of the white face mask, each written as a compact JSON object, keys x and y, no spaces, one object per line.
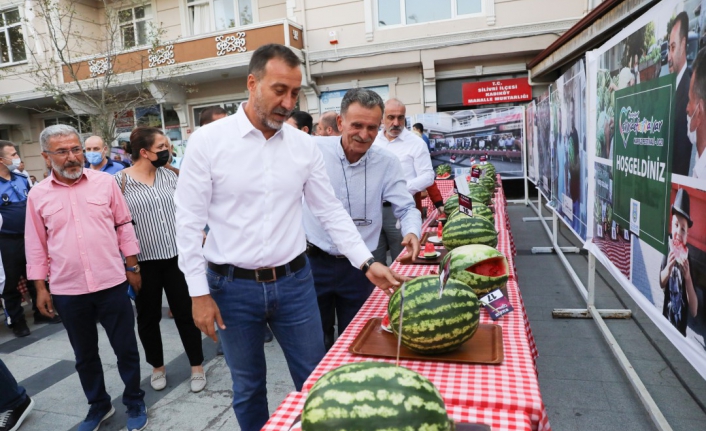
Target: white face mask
{"x":15,"y":164}
{"x":691,"y":134}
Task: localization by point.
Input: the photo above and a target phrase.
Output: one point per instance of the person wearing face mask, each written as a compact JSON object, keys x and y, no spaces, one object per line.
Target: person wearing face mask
{"x":148,"y":187}
{"x":13,"y":192}
{"x":96,"y":159}
{"x":696,"y":117}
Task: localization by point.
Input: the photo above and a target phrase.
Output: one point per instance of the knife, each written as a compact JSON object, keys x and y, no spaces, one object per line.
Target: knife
{"x":399,"y":327}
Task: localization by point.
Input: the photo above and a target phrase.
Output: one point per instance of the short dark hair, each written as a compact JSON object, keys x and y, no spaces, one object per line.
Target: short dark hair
{"x":302,"y":119}
{"x":328,"y":119}
{"x":141,"y":137}
{"x":208,"y":114}
{"x":698,"y":68}
{"x":418,"y":126}
{"x":5,"y":144}
{"x":368,"y":99}
{"x":683,"y":19}
{"x":265,"y":53}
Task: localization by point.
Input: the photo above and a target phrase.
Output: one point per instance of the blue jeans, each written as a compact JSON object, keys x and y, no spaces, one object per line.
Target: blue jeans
{"x":114,"y":311}
{"x":289,"y":306}
{"x":341,"y":290}
{"x":11,"y":395}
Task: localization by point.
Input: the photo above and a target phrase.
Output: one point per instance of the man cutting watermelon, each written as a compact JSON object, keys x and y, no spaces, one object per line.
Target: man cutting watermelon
{"x":675,"y":273}
{"x":362,"y":176}
{"x":245,"y":177}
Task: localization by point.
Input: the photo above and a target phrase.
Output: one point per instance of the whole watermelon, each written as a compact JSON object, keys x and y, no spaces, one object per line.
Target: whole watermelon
{"x":479,"y":210}
{"x":366,"y":396}
{"x":489,"y":183}
{"x":488,"y":169}
{"x":433,"y":325}
{"x":480,"y":194}
{"x":463,"y":230}
{"x":482,"y":268}
{"x":451,"y":204}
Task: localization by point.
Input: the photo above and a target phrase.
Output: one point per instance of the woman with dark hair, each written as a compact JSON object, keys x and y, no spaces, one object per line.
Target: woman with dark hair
{"x":149,"y":191}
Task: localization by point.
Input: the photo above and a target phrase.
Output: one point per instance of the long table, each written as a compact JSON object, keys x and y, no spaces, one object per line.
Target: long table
{"x":511,"y":388}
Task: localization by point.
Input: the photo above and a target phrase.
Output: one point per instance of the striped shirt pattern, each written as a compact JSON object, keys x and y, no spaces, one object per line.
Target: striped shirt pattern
{"x":153,"y":210}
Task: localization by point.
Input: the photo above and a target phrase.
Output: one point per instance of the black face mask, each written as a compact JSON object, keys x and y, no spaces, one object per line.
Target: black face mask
{"x":162,"y":158}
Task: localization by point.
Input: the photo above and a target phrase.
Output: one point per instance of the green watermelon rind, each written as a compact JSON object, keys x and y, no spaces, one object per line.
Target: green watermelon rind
{"x":468,"y":255}
{"x":374,"y":396}
{"x":459,"y":231}
{"x":433,"y":325}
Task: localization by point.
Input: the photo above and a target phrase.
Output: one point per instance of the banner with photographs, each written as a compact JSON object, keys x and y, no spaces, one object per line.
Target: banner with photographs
{"x":531,"y":138}
{"x":569,"y":191}
{"x":646,"y":103}
{"x":544,"y":147}
{"x":459,"y":138}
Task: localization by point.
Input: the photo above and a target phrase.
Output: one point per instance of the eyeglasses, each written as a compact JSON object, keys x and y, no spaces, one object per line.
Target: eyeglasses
{"x":65,"y":153}
{"x":359,"y":221}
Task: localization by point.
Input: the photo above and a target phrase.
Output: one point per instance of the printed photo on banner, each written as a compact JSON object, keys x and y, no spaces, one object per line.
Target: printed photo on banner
{"x":543,"y":124}
{"x":461,"y":137}
{"x":531,"y":139}
{"x":570,"y":169}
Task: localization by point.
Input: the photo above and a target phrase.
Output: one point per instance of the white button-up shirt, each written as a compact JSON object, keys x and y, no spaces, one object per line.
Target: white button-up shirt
{"x":413,"y":154}
{"x":249,"y":191}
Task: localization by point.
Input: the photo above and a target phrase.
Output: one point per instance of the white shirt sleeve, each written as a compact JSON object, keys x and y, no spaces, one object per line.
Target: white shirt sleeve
{"x":192,"y":198}
{"x":403,"y":205}
{"x":422,"y":167}
{"x":324,"y":205}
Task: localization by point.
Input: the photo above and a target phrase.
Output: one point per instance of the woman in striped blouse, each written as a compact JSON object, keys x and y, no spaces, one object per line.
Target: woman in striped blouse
{"x":149,"y":191}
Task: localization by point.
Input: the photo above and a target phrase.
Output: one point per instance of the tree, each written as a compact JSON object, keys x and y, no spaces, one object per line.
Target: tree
{"x":83,"y":55}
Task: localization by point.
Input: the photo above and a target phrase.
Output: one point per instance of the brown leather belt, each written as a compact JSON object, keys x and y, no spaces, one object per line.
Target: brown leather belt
{"x":263,"y":275}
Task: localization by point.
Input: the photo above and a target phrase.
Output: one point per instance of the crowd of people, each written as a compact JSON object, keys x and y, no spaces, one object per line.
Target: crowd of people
{"x":309,"y":243}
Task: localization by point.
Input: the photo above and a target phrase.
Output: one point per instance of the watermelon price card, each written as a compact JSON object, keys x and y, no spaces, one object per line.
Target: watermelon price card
{"x":497,"y":304}
{"x":475,"y":175}
{"x":465,"y":205}
{"x":484,"y":159}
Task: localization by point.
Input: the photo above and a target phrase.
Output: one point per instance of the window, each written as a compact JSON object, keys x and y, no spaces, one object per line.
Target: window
{"x":402,"y":12}
{"x":12,"y":42}
{"x":134,"y":25}
{"x":230,"y":108}
{"x":213,"y":15}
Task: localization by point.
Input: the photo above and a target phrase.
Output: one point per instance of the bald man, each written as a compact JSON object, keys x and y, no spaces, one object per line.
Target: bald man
{"x":328,"y":125}
{"x":96,"y":156}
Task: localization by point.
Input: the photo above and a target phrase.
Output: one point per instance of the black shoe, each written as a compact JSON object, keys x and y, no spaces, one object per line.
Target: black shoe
{"x":268,"y":335}
{"x":20,"y":329}
{"x":40,"y":318}
{"x":11,"y":420}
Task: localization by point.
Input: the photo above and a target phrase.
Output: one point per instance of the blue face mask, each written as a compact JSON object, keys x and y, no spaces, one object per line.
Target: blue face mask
{"x":94,"y":157}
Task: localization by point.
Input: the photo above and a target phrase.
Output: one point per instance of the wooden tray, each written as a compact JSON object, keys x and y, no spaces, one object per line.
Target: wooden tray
{"x":486,"y":346}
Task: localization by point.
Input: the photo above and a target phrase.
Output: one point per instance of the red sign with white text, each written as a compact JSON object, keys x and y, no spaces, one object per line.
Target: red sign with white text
{"x":498,"y":91}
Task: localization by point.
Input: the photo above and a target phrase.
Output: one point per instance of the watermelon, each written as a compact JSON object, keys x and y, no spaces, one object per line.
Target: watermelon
{"x":480,"y":194}
{"x":488,"y":183}
{"x":479,"y":210}
{"x":433,"y":325}
{"x":482,"y":268}
{"x":443,"y":171}
{"x":463,"y":230}
{"x":451,"y":204}
{"x":374,"y":396}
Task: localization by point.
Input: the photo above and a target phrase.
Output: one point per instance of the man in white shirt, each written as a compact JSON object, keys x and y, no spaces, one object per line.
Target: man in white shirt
{"x":417,"y":170}
{"x":362,"y":176}
{"x":21,"y":170}
{"x":245,"y":176}
{"x":678,"y":39}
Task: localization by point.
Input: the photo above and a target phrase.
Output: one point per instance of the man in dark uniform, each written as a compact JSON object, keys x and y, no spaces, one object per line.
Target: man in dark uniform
{"x":678,"y":38}
{"x":13,"y":193}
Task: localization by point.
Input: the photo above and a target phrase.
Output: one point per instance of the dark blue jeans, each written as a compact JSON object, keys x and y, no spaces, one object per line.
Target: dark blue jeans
{"x":11,"y":395}
{"x":114,"y":311}
{"x":289,"y":306}
{"x":341,"y":290}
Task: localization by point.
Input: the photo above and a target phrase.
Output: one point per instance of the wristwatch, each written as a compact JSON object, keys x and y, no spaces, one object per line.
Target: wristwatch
{"x":366,"y":266}
{"x":135,"y":269}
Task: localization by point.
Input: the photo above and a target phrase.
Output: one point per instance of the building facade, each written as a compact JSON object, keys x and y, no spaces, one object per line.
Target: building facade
{"x":184,"y":55}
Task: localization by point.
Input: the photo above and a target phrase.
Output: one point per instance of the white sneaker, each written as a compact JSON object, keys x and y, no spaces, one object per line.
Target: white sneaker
{"x":158,"y":380}
{"x":198,"y":382}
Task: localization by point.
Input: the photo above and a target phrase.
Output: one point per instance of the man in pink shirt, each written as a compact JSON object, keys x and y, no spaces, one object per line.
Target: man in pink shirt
{"x":78,"y":221}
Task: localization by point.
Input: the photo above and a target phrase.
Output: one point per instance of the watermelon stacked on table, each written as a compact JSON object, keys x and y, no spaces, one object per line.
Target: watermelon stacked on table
{"x":433,"y":324}
{"x":443,"y":172}
{"x":464,"y":230}
{"x":451,"y":208}
{"x":481,"y":267}
{"x":374,"y":396}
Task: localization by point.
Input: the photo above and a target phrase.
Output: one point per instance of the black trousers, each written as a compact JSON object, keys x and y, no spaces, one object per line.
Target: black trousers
{"x":158,"y":275}
{"x":15,"y":263}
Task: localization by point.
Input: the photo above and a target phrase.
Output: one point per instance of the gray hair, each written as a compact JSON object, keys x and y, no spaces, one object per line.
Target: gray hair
{"x":368,"y":99}
{"x":56,"y":130}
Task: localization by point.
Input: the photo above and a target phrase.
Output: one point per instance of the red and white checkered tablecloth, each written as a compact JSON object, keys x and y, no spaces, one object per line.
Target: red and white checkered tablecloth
{"x":284,"y":417}
{"x":446,"y":188}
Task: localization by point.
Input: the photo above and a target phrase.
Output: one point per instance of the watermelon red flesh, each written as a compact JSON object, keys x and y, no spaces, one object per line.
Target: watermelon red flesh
{"x":494,"y":267}
{"x":679,"y":249}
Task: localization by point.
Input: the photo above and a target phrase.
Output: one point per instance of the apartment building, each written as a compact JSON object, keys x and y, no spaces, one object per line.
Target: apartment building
{"x":190,"y":54}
